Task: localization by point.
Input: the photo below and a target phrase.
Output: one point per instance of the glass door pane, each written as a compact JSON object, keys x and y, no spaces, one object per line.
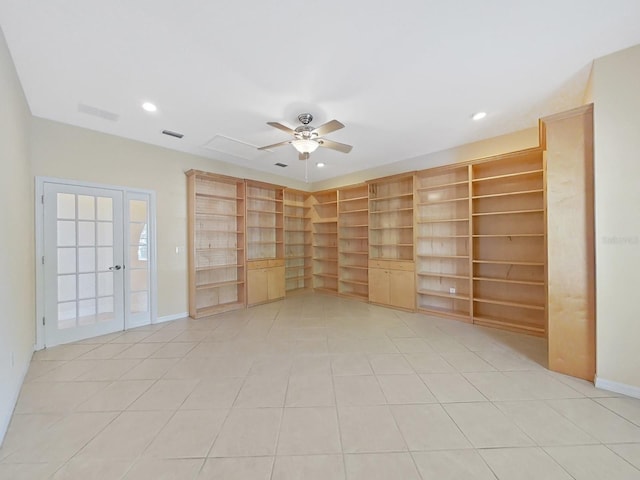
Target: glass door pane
{"x":138,"y":275}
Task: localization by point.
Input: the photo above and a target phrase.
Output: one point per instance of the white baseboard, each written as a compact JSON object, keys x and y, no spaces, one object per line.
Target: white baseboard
{"x":168,"y":318}
{"x":611,"y":386}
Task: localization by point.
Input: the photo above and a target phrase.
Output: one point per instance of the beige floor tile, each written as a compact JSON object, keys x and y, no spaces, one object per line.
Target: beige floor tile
{"x":444,"y":343}
{"x":505,"y":361}
{"x":582,"y":386}
{"x":248,"y":433}
{"x":543,"y":424}
{"x":381,"y":466}
{"x":242,"y":468}
{"x":25,"y":429}
{"x":309,"y":467}
{"x":262,"y":391}
{"x":428,"y":427}
{"x":63,"y":352}
{"x":350,"y":364}
{"x":82,"y":468}
{"x":486,"y":426}
{"x":404,"y":389}
{"x":497,"y":386}
{"x":311,"y":365}
{"x":377,"y":345}
{"x":67,"y":371}
{"x":109,"y":370}
{"x":62,"y":440}
{"x":310,"y":391}
{"x":164,"y":469}
{"x":452,"y":387}
{"x":132,"y":336}
{"x":209,"y":349}
{"x":39,"y":368}
{"x":358,"y":390}
{"x":523,"y":464}
{"x":150,"y":369}
{"x":55,"y":397}
{"x":452,"y":465}
{"x":173,"y":350}
{"x":629,"y":451}
{"x":628,"y":408}
{"x":411,"y":344}
{"x":104,"y":352}
{"x":188,"y":434}
{"x":597,"y":421}
{"x":467,"y":362}
{"x":306,"y":431}
{"x":161,"y":336}
{"x":271,"y":365}
{"x":115,"y":396}
{"x":139,"y":350}
{"x":369,"y":429}
{"x":429,"y":363}
{"x":126,"y":437}
{"x":542,"y":386}
{"x":390,"y":364}
{"x":27,"y":471}
{"x":213,"y":392}
{"x":191,"y":336}
{"x":165,"y":395}
{"x":593,"y":462}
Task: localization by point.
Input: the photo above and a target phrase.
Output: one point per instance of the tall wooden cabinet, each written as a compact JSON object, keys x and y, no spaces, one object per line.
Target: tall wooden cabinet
{"x":324,"y":216}
{"x":353,"y":241}
{"x":297,"y":240}
{"x":391,"y":260}
{"x":443,"y":242}
{"x":265,"y":242}
{"x":571,"y":237}
{"x":216,"y":226}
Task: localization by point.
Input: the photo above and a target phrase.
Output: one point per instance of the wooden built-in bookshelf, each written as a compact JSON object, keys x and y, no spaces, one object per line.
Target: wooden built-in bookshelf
{"x":216,"y":229}
{"x":297,"y":240}
{"x":324,"y":214}
{"x":353,"y":241}
{"x":265,"y":242}
{"x":443,"y":247}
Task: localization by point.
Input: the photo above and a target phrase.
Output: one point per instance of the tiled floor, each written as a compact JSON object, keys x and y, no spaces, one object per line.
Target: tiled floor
{"x":314,"y":387}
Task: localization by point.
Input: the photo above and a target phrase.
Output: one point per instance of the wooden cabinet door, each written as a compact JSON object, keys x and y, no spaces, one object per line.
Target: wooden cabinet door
{"x":379,"y":285}
{"x":402,"y":290}
{"x":257,"y":291}
{"x":275,"y":283}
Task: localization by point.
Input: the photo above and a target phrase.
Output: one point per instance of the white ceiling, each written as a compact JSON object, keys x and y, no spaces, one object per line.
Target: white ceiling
{"x":403,"y":76}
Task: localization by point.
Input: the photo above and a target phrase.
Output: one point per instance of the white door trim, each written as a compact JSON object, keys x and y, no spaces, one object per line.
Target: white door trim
{"x":39,"y":247}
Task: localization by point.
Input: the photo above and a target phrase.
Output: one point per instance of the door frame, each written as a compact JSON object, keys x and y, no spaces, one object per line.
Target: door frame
{"x":39,"y":248}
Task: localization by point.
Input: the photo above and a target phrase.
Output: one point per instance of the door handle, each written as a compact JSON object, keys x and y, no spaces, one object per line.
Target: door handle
{"x":115,"y":267}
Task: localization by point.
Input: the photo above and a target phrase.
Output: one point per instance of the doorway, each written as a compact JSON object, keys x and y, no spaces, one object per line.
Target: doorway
{"x":97,"y":265}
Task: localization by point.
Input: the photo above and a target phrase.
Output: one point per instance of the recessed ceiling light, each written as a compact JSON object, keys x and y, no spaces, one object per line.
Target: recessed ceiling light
{"x":149,"y":107}
{"x":319,"y":164}
{"x":478,"y":115}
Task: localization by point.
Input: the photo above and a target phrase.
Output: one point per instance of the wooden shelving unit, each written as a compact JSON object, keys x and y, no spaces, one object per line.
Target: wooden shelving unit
{"x":353,"y":241}
{"x":391,"y":241}
{"x":509,"y":242}
{"x":265,"y":242}
{"x":443,"y":242}
{"x":324,"y":214}
{"x":297,"y":240}
{"x":216,"y":226}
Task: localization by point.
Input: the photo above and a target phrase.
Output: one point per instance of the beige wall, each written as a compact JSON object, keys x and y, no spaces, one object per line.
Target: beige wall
{"x":17,"y":325}
{"x":484,"y":148}
{"x":617,"y":197}
{"x":68,"y":152}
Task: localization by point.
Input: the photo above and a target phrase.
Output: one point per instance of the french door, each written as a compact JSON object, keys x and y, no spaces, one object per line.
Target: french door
{"x":97,"y":250}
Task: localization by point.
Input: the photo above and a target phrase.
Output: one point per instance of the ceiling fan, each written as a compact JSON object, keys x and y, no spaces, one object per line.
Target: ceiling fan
{"x":306,"y":138}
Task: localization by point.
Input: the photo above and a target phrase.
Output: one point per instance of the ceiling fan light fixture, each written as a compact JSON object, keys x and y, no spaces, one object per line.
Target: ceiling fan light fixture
{"x":304,"y":145}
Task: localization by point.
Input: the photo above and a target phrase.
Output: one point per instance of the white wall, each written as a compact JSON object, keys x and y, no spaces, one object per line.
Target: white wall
{"x":64,"y":151}
{"x":617,"y":195}
{"x":17,"y":329}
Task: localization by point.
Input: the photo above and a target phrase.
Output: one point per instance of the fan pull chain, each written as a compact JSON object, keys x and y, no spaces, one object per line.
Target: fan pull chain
{"x":306,"y":170}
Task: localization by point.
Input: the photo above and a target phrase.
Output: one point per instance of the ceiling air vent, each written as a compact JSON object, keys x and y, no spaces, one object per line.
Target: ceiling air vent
{"x":172,"y":134}
{"x":98,"y":112}
{"x":280,"y":165}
